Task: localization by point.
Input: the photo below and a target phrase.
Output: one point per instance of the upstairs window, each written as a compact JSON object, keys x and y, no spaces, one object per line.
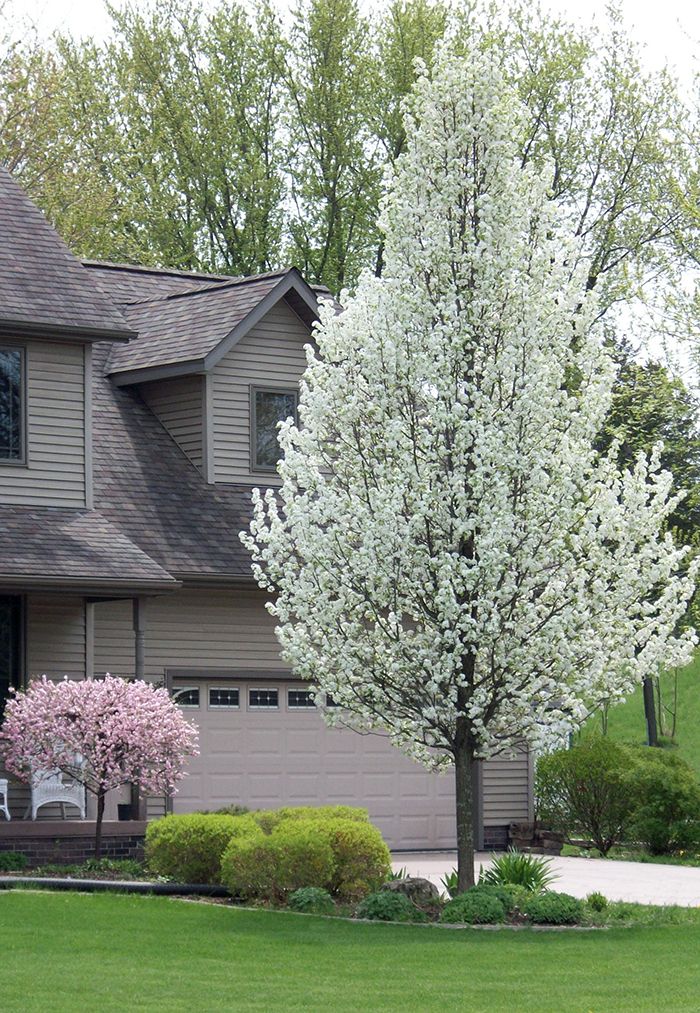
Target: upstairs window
{"x":11,"y":404}
{"x":268,"y":407}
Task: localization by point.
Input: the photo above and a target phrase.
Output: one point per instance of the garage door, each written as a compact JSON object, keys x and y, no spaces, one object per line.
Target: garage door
{"x":263,"y":744}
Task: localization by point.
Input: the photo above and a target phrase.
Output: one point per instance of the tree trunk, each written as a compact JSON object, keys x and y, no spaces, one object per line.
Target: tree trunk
{"x":650,"y":713}
{"x":464,"y":762}
{"x":98,"y":823}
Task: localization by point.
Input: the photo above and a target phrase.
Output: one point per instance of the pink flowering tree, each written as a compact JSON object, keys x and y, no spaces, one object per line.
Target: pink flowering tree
{"x":102,"y":733}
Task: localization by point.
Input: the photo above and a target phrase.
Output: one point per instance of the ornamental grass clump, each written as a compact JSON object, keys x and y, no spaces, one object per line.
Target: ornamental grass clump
{"x":515,"y":868}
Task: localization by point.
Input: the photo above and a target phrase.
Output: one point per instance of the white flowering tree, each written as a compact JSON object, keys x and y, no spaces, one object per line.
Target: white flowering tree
{"x":448,"y":556}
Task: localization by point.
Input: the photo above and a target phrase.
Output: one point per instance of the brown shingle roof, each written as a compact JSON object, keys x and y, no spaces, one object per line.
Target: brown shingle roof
{"x":146,"y":486}
{"x":187,"y":326}
{"x":127,"y":283}
{"x":76,"y":546}
{"x":42,"y":285}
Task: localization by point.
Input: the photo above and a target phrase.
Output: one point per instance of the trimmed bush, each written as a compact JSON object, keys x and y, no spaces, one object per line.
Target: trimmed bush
{"x":585,"y":791}
{"x":478,"y":906}
{"x":665,"y":795}
{"x":386,"y":906}
{"x":188,"y":848}
{"x":269,"y":866}
{"x":516,"y":868}
{"x":312,"y":900}
{"x":596,"y":901}
{"x":269,"y":819}
{"x":504,"y":894}
{"x":362,"y":859}
{"x":12,"y":861}
{"x":552,"y":908}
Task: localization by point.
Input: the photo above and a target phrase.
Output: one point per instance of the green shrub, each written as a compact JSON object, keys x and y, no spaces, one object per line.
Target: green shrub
{"x":478,"y":906}
{"x":188,"y":848}
{"x":268,"y":819}
{"x":665,"y":795}
{"x":596,"y":901}
{"x":518,"y":896}
{"x":362,"y":859}
{"x":585,"y":791}
{"x":312,"y":900}
{"x":387,"y":906}
{"x":515,"y":868}
{"x":552,"y":908}
{"x":226,"y":810}
{"x":270,"y":866}
{"x":504,"y":894}
{"x":12,"y":861}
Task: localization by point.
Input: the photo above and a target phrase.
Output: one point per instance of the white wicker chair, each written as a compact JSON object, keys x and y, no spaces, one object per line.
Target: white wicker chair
{"x":48,"y":786}
{"x":4,"y":787}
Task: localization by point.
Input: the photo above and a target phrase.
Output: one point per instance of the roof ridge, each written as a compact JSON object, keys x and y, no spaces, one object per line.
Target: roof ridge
{"x":174,"y":272}
{"x":219,"y":287}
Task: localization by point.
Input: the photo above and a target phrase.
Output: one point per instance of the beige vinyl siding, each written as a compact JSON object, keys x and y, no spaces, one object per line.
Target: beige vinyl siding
{"x":55,"y":471}
{"x":55,"y":636}
{"x":189,"y":629}
{"x":506,"y":790}
{"x":178,"y":405}
{"x":271,"y":354}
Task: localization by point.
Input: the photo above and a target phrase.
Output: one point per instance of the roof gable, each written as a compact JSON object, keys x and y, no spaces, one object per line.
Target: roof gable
{"x":44,"y":289}
{"x":190,"y":331}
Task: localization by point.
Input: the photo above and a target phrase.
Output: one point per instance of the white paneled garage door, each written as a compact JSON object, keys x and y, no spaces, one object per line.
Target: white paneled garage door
{"x":262,"y":745}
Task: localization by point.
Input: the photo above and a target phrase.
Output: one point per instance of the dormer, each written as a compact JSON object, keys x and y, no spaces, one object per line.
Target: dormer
{"x":219,"y":365}
{"x":50,"y":315}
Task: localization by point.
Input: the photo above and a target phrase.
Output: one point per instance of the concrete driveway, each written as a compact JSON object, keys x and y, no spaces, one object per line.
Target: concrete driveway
{"x":633,"y":881}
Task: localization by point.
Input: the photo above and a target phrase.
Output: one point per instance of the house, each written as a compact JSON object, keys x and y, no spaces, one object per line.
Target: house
{"x":138,"y":408}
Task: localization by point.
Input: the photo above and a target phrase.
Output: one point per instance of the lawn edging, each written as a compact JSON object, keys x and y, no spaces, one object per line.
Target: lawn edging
{"x":115,"y":886}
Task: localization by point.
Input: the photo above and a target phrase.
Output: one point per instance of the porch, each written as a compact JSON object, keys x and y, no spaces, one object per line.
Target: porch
{"x":71,"y":842}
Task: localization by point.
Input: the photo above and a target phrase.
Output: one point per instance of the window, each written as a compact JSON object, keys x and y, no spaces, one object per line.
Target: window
{"x":188,"y":696}
{"x":223,"y":696}
{"x":259,"y":698}
{"x":11,"y":404}
{"x":300,"y":698}
{"x":330,"y":702}
{"x":10,"y":645}
{"x":267,"y":408}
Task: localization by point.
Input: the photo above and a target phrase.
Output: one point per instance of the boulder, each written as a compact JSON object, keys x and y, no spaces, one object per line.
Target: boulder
{"x":420,"y":891}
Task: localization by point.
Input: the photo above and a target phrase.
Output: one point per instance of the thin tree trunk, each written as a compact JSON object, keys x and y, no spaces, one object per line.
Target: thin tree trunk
{"x":464,"y":761}
{"x":98,"y":823}
{"x":650,"y":713}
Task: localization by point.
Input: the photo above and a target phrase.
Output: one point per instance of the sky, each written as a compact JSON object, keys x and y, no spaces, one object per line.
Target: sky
{"x":669,"y":30}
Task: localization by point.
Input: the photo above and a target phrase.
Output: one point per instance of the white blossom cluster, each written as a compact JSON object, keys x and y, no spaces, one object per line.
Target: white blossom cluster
{"x":446,"y":542}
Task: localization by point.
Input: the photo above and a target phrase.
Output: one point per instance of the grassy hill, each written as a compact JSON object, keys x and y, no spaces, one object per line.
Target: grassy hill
{"x":626,"y":721}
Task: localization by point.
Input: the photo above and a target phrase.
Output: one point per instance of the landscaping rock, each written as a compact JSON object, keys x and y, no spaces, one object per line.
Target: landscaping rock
{"x":420,"y":891}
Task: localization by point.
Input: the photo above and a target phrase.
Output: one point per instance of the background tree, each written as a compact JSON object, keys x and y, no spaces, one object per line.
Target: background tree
{"x":452,"y":560}
{"x":101,"y":733}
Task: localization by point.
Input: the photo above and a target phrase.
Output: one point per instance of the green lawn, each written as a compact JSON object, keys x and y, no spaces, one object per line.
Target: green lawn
{"x":626,"y":721}
{"x":70,"y":952}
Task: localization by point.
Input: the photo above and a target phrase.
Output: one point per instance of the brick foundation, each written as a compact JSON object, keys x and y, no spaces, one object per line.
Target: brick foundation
{"x":495,"y":838}
{"x":55,"y":844}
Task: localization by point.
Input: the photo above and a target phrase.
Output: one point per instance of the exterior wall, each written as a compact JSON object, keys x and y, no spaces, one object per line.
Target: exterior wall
{"x":272,"y":354}
{"x":55,"y":471}
{"x":506,"y":790}
{"x":188,"y":629}
{"x":55,"y":636}
{"x":179,"y":406}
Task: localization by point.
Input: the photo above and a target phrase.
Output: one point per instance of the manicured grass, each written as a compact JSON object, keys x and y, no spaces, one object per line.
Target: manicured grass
{"x":626,"y":720}
{"x":71,"y":952}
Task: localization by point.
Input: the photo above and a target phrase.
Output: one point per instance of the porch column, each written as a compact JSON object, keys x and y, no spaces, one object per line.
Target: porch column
{"x":138,"y":804}
{"x":139,"y":613}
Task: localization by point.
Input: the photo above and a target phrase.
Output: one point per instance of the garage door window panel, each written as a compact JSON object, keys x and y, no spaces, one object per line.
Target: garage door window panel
{"x":186,"y":696}
{"x":263,"y":699}
{"x":224,"y":698}
{"x":300,"y":699}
